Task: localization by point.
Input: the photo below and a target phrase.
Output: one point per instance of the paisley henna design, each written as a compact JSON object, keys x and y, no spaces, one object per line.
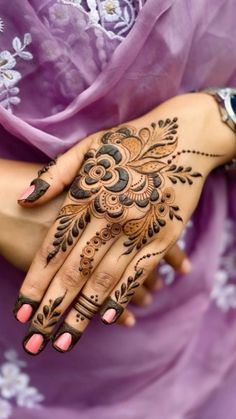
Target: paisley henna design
{"x":50,"y":315}
{"x":92,"y":246}
{"x":128,"y":171}
{"x":86,"y":307}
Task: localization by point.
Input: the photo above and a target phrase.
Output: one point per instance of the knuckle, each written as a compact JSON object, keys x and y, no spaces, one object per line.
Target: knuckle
{"x":102,"y":281}
{"x":70,"y":277}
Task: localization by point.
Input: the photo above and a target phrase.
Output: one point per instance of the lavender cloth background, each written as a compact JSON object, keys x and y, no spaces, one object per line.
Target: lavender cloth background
{"x":179,"y":362}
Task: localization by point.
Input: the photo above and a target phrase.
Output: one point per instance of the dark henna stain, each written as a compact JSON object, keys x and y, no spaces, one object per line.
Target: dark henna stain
{"x":66,"y":328}
{"x":86,"y":307}
{"x":21,"y":300}
{"x":47,"y":167}
{"x":110,"y":303}
{"x":41,"y":187}
{"x":129,"y":169}
{"x":50,"y":315}
{"x":93,"y":245}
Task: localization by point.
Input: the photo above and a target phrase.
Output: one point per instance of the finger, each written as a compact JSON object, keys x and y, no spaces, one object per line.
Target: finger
{"x":127,"y":319}
{"x":133,"y":277}
{"x":92,"y":296}
{"x":59,"y":242}
{"x":177,"y":258}
{"x":68,"y":281}
{"x":55,"y":176}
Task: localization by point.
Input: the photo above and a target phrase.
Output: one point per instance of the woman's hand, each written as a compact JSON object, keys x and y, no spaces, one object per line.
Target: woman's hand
{"x":137,"y":187}
{"x":30,"y":226}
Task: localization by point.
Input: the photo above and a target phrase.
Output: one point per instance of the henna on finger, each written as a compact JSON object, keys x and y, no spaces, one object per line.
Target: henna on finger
{"x":38,"y":187}
{"x":40,"y":331}
{"x":25,"y":308}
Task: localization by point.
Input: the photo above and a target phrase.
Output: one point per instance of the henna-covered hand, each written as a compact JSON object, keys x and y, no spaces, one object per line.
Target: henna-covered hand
{"x":137,"y":187}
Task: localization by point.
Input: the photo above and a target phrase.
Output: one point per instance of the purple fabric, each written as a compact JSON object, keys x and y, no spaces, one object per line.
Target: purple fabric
{"x":179,"y":362}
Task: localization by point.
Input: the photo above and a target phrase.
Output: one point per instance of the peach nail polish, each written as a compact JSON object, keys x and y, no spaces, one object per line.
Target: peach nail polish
{"x":24,"y":313}
{"x":27,"y":193}
{"x":109,"y":315}
{"x":63,"y":342}
{"x":34,"y":343}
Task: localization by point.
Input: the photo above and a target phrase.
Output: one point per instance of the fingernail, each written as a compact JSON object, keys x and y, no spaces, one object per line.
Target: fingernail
{"x":24,"y":308}
{"x":130,"y":321}
{"x":66,"y":338}
{"x":186,"y":266}
{"x":34,"y":344}
{"x":109,"y":315}
{"x":147,"y":300}
{"x":63,"y":342}
{"x":37,"y":188}
{"x":24,"y":313}
{"x":26,"y":193}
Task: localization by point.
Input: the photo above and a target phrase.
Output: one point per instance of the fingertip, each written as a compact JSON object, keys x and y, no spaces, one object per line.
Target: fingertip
{"x":186,"y":266}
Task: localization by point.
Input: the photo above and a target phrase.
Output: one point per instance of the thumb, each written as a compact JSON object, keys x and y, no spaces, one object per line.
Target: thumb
{"x":55,"y":176}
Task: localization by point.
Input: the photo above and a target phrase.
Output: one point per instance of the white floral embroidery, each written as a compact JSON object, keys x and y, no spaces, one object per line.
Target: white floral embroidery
{"x":223,"y":292}
{"x":5,"y":409}
{"x":111,"y":10}
{"x":9,"y":77}
{"x":114,"y":17}
{"x":60,"y":14}
{"x":1,"y":25}
{"x":14,"y":384}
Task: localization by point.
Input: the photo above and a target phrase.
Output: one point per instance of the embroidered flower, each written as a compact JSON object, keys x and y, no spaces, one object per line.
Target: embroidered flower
{"x":8,"y":76}
{"x":11,"y":380}
{"x":111,"y":10}
{"x":51,"y":50}
{"x":5,"y":409}
{"x":15,"y":384}
{"x":223,"y":293}
{"x":29,"y":398}
{"x":59,"y":14}
{"x":1,"y":25}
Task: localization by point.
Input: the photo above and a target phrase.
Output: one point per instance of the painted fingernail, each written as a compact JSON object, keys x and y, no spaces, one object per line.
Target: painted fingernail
{"x":37,"y":188}
{"x":130,"y":321}
{"x":24,"y":308}
{"x":34,"y":344}
{"x":63,"y":342}
{"x":109,"y":315}
{"x":186,"y":266}
{"x":26,"y":193}
{"x":24,"y":313}
{"x":147,"y":300}
{"x":66,"y":338}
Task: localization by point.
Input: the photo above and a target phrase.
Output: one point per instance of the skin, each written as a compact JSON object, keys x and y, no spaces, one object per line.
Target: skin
{"x":30,"y":227}
{"x":207,"y":143}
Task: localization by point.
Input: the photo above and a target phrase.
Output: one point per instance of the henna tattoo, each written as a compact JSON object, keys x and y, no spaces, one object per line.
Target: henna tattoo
{"x":66,"y":328}
{"x":40,"y":187}
{"x":47,"y":167}
{"x":21,"y":300}
{"x":72,"y":221}
{"x":128,"y":170}
{"x":200,"y":153}
{"x":127,"y":289}
{"x":50,"y":315}
{"x":93,"y":245}
{"x":86,"y":307}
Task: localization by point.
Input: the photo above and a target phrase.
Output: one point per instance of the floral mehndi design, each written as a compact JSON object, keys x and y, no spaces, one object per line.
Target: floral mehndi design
{"x":127,"y":172}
